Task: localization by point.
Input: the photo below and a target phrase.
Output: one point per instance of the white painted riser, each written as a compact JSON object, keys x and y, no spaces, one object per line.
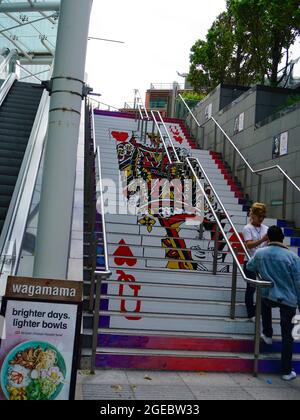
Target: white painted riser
{"x":173,"y":277}
{"x":199,"y":294}
{"x":190,"y":232}
{"x":154,"y":241}
{"x":186,"y":324}
{"x":175,"y":307}
{"x":148,"y":264}
{"x":152,"y":247}
{"x":133,"y":220}
{"x":160,"y":253}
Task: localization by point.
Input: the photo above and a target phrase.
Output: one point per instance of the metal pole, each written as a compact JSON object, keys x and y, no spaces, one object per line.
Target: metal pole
{"x":142,"y":130}
{"x":257,"y":331}
{"x":96,"y":323}
{"x":234,"y":163}
{"x":284,"y":198}
{"x":215,"y":262}
{"x":233,"y":290}
{"x":56,"y":205}
{"x":146,"y":131}
{"x":215,"y":140}
{"x":224,"y":148}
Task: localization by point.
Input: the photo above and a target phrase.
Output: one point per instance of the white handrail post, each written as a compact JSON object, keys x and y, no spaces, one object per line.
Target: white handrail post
{"x":56,"y":205}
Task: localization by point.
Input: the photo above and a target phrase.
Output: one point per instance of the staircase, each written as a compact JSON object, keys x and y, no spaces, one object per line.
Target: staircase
{"x":162,"y":308}
{"x":17,"y":115}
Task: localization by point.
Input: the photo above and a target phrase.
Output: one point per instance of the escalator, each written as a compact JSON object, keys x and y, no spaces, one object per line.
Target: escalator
{"x":17,"y":115}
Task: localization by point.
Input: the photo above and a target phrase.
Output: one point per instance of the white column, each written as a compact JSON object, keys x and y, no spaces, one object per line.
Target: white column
{"x":56,"y":206}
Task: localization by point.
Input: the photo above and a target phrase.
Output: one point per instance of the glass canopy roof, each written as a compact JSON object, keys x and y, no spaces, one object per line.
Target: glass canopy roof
{"x":28,"y":26}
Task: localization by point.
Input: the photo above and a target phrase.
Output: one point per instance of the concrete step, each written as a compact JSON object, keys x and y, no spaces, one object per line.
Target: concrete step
{"x":176,"y":323}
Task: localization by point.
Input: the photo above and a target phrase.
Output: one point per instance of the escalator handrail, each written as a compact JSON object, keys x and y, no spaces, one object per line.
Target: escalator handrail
{"x":7,"y":85}
{"x":7,"y":59}
{"x":16,"y":220}
{"x":99,"y":194}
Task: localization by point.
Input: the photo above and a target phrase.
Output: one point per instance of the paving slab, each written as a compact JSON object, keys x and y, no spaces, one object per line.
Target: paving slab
{"x":167,"y":386}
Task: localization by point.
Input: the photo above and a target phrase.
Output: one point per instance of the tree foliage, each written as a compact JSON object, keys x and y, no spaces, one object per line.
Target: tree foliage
{"x":245,"y":44}
{"x":272,"y":26}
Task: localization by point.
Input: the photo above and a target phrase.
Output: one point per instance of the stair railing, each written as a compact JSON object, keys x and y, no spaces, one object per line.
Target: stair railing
{"x":259,"y":172}
{"x":98,"y":276}
{"x":14,"y":228}
{"x":141,"y":115}
{"x":195,"y":168}
{"x":99,"y":104}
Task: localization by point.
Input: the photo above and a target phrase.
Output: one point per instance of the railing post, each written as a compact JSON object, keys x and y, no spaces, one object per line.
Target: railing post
{"x":145,"y":132}
{"x":234,"y":163}
{"x":224,"y":148}
{"x":257,"y":332}
{"x":142,"y":130}
{"x":215,"y":139}
{"x":96,"y":323}
{"x":233,"y":290}
{"x":284,"y":198}
{"x":216,"y":248}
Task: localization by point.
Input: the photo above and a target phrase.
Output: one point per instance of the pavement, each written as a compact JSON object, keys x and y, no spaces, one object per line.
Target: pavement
{"x":161,"y":386}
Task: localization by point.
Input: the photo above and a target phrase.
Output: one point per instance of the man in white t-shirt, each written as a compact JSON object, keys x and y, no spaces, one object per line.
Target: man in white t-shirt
{"x":255,"y":237}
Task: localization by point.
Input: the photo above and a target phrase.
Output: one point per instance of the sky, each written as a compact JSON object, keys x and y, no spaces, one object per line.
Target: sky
{"x":158,"y":37}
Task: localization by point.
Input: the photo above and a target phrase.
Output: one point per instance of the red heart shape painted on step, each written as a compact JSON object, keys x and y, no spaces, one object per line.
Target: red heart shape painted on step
{"x":179,"y":139}
{"x":120,"y":136}
{"x":124,"y":255}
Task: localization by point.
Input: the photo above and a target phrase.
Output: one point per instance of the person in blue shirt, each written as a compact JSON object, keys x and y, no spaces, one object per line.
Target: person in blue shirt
{"x":277,"y":264}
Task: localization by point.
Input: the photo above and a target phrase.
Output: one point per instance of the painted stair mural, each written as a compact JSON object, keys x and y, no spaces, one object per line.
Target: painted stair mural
{"x":163,"y":308}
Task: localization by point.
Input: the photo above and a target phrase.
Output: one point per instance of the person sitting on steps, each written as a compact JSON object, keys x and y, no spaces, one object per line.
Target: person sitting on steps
{"x":255,"y":237}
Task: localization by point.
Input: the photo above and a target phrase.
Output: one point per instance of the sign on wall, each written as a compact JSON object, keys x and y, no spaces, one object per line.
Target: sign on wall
{"x":239,"y":123}
{"x":280,"y":145}
{"x":208,"y":112}
{"x":38,"y":355}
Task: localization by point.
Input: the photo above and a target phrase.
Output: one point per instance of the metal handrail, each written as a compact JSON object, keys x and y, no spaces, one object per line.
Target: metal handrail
{"x":100,"y":191}
{"x":162,"y":137}
{"x":259,"y":284}
{"x":253,"y":171}
{"x":139,"y":101}
{"x":106,"y":273}
{"x":102,"y":103}
{"x":15,"y":223}
{"x":170,"y":139}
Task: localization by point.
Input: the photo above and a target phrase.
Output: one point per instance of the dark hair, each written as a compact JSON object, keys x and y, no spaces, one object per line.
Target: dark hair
{"x":275,"y":234}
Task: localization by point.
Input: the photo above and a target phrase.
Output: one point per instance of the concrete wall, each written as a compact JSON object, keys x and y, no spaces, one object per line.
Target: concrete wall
{"x":255,"y":141}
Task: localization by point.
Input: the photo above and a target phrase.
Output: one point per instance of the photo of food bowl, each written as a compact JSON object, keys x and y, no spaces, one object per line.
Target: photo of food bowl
{"x":33,"y":371}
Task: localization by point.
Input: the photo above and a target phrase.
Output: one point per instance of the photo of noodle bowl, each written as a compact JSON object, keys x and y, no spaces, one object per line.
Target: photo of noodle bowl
{"x":33,"y":371}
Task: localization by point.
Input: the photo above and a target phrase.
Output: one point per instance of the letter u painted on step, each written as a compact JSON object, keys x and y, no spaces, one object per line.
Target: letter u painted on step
{"x":123,"y":277}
